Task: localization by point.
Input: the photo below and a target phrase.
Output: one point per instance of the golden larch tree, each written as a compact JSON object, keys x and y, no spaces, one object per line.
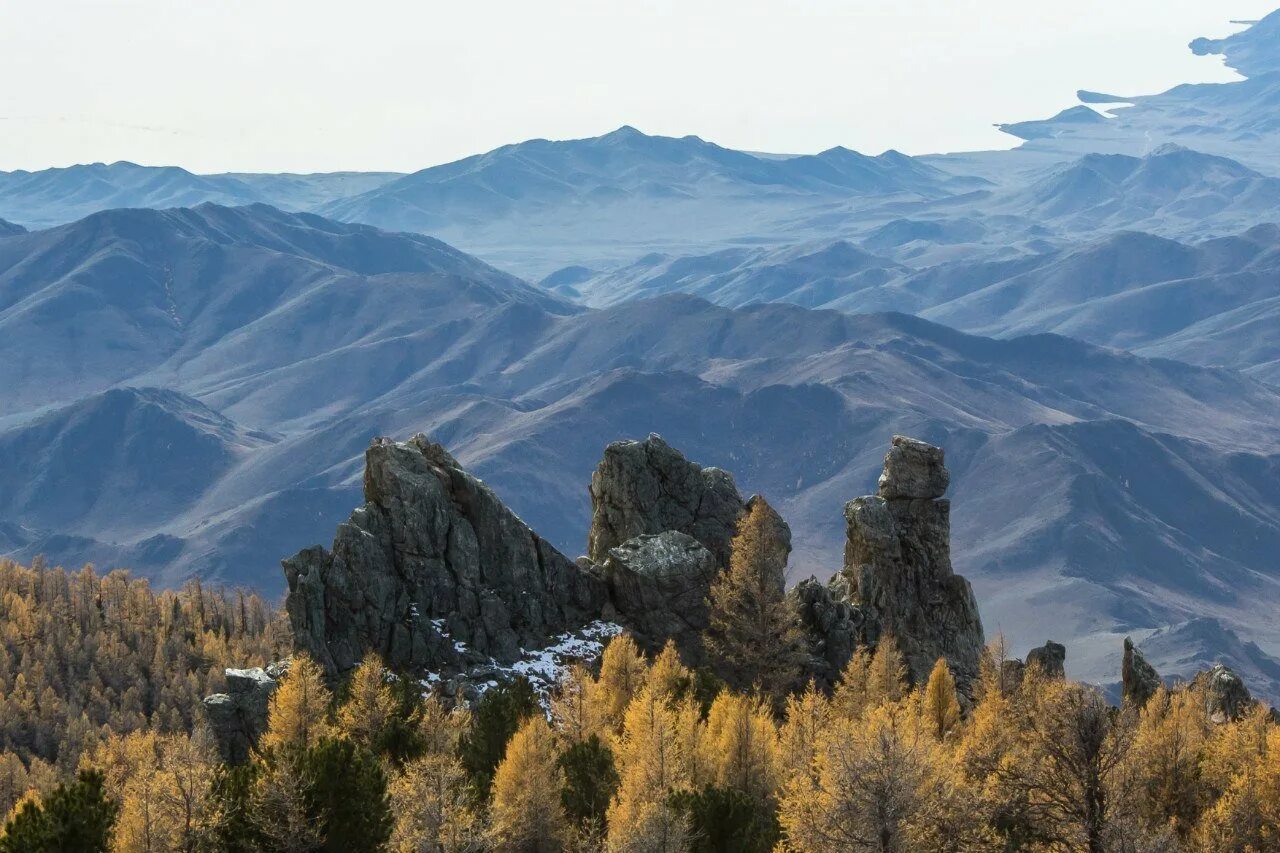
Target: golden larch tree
{"x":526,"y":815}
{"x":940,"y":704}
{"x":754,"y":633}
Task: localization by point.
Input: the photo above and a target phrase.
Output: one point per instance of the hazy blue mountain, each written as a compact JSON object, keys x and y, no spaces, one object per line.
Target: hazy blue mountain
{"x":607,"y":199}
{"x":8,"y":229}
{"x":123,"y":293}
{"x":1096,"y":492}
{"x":806,"y":274}
{"x":58,"y":196}
{"x":54,"y":196}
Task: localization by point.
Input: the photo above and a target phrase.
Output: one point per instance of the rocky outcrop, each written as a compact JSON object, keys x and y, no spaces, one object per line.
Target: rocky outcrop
{"x":832,"y":623}
{"x":647,"y":487}
{"x":1139,"y":679}
{"x":898,"y":560}
{"x":238,"y":717}
{"x":1227,"y":699}
{"x":1051,"y":659}
{"x":432,"y":572}
{"x":658,"y":585}
{"x":435,"y":574}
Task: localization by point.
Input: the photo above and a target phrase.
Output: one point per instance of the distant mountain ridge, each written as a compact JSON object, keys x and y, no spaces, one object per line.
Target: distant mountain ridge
{"x":264,"y":349}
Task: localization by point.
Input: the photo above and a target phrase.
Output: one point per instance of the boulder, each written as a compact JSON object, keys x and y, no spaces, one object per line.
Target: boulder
{"x":433,"y":572}
{"x":1139,"y":679}
{"x":913,"y":470}
{"x":238,"y":717}
{"x":647,"y":487}
{"x":898,"y":561}
{"x":658,"y":585}
{"x":1051,"y":658}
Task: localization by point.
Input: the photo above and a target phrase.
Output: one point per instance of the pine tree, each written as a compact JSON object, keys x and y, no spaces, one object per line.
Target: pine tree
{"x":754,"y":634}
{"x":725,"y":820}
{"x":75,"y":817}
{"x":526,"y":815}
{"x":346,"y":797}
{"x":590,"y":781}
{"x":670,"y":678}
{"x":882,"y":784}
{"x":940,"y":705}
{"x":500,"y":712}
{"x":432,"y":797}
{"x":808,"y":716}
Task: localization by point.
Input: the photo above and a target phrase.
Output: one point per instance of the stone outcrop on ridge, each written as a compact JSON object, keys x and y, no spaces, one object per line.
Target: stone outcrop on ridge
{"x":433,"y":571}
{"x":1138,"y":678}
{"x":648,"y":487}
{"x":898,"y":561}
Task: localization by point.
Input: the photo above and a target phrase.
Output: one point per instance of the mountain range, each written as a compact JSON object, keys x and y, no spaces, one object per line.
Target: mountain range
{"x":1088,"y":324}
{"x":251,"y":354}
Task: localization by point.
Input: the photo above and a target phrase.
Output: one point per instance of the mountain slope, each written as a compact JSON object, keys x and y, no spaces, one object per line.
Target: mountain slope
{"x":1096,"y":492}
{"x":122,"y":293}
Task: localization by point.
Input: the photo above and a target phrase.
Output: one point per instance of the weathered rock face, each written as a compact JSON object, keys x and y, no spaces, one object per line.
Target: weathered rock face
{"x":1051,"y":658}
{"x":1139,"y":679}
{"x":432,"y":572}
{"x":833,"y":624}
{"x":913,"y":470}
{"x":898,"y":559}
{"x":658,"y":585}
{"x":647,"y":487}
{"x":1227,"y":699}
{"x":238,"y":717}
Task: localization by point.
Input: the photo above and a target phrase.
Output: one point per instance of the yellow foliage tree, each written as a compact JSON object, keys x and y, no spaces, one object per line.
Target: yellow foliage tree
{"x":940,"y":705}
{"x":808,"y":716}
{"x":297,"y":717}
{"x":623,"y":672}
{"x":887,"y":673}
{"x":1165,"y":761}
{"x":668,"y":676}
{"x":881,"y":784}
{"x":851,"y":697}
{"x":754,"y":633}
{"x":370,"y":706}
{"x":742,"y":747}
{"x":430,"y":798}
{"x":652,"y":763}
{"x":526,"y":814}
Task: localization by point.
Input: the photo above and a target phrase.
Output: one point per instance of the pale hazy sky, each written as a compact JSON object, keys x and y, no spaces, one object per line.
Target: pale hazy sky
{"x":304,"y":85}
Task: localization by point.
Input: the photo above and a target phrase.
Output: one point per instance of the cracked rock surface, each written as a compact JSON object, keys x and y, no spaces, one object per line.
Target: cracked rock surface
{"x":433,"y":571}
{"x":648,"y":487}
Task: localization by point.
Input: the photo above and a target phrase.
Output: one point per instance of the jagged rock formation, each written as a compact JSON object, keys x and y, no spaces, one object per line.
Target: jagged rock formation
{"x":658,"y":585}
{"x":832,"y":623}
{"x":898,"y":559}
{"x":647,"y":487}
{"x":1139,"y":678}
{"x":433,"y":571}
{"x":238,"y":717}
{"x":1051,"y":658}
{"x":1227,"y":699}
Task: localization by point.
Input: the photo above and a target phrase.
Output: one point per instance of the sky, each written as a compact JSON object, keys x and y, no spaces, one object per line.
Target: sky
{"x":314,"y":85}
